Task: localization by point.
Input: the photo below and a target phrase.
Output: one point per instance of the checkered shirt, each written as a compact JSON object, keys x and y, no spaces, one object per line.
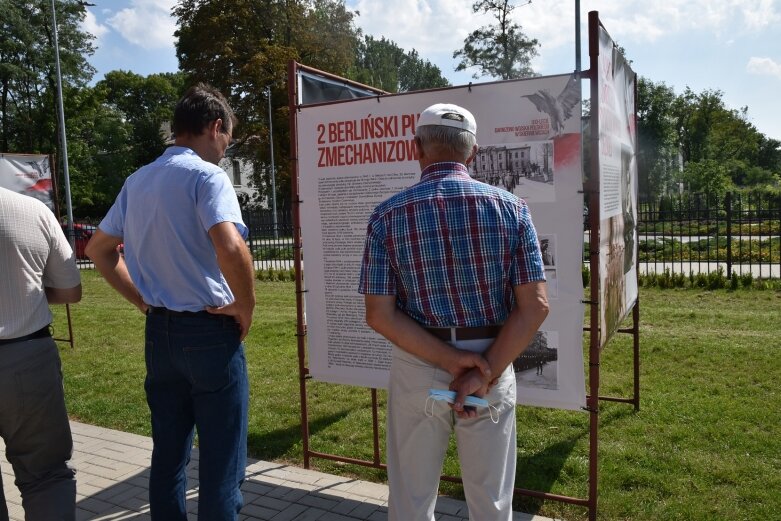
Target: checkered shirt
{"x":451,"y":249}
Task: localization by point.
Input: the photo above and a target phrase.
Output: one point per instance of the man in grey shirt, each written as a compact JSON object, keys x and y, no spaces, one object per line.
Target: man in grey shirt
{"x":38,"y":268}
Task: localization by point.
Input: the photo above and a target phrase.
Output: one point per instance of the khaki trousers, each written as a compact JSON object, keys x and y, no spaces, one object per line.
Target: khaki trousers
{"x":416,"y":442}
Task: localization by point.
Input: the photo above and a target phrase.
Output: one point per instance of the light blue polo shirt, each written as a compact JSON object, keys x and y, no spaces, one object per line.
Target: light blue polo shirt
{"x":163,"y":215}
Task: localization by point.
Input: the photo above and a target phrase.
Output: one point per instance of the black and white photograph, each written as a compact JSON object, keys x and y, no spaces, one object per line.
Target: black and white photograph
{"x":548,"y":249}
{"x":552,"y":282}
{"x":537,"y":366}
{"x":524,"y":169}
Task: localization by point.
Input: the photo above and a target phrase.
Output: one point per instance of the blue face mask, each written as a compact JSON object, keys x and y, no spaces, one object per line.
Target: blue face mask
{"x":444,"y":395}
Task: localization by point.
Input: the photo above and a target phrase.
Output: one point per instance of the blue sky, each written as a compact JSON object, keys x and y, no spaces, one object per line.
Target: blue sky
{"x":730,"y":45}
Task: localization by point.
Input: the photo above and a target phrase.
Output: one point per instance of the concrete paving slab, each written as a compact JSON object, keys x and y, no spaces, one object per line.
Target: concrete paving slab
{"x":113,"y":476}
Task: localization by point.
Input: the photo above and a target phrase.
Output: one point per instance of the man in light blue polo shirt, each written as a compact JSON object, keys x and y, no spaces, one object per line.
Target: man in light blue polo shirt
{"x":187,"y":267}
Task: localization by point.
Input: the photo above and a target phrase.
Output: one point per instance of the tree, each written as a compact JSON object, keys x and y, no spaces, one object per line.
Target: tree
{"x":243,"y":46}
{"x":657,"y":156}
{"x":500,"y":51}
{"x":416,"y":73}
{"x":708,"y":176}
{"x":709,"y":133}
{"x":383,"y":64}
{"x":27,"y":70}
{"x":769,"y":154}
{"x":377,"y":63}
{"x":328,"y":39}
{"x":99,"y":154}
{"x":145,"y":103}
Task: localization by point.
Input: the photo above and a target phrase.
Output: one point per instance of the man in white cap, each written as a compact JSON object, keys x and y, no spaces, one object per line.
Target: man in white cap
{"x":445,"y":265}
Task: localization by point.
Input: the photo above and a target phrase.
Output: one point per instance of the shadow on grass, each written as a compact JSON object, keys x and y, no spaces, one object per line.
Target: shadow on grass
{"x":278,"y":443}
{"x":540,"y":471}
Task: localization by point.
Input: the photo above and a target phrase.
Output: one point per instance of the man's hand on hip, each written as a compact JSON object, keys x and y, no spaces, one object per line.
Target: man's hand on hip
{"x":236,"y":265}
{"x":241,"y":314}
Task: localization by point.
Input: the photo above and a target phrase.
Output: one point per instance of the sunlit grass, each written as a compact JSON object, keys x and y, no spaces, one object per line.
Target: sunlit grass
{"x":704,"y":445}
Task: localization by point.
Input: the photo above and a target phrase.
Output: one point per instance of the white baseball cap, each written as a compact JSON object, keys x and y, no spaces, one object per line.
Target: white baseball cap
{"x":447,"y":115}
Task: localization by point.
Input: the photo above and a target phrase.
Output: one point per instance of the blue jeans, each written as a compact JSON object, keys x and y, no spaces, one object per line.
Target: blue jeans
{"x":196,"y":377}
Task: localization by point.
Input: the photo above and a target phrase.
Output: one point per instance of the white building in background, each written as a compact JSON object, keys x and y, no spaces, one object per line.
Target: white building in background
{"x":492,"y":163}
{"x":240,"y":171}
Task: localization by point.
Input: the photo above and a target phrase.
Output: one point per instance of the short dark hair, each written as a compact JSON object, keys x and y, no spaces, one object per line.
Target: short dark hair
{"x":199,"y":106}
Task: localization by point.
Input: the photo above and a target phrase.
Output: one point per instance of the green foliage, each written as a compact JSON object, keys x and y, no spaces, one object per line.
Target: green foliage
{"x":714,"y":280}
{"x":416,"y":73}
{"x":99,"y":159}
{"x":243,"y":46}
{"x":146,"y":104}
{"x":272,"y":253}
{"x":272,"y":274}
{"x":383,"y":64}
{"x":657,"y":155}
{"x":719,"y":147}
{"x":113,"y":128}
{"x":499,"y":51}
{"x":377,"y":63}
{"x":28,"y":83}
{"x":744,"y":250}
{"x":708,"y":176}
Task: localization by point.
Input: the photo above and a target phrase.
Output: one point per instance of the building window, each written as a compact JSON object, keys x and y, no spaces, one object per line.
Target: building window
{"x":236,"y":172}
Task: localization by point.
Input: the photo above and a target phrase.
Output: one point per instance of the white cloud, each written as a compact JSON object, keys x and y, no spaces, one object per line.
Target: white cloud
{"x":764,"y":66}
{"x":146,"y":23}
{"x":91,"y":25}
{"x":430,"y":26}
{"x":759,"y":14}
{"x":433,"y":26}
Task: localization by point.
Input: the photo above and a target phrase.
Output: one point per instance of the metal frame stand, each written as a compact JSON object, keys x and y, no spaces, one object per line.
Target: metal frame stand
{"x":594,"y":351}
{"x":52,"y":164}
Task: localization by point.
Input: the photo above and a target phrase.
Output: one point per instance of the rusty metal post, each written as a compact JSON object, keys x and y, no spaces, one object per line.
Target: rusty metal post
{"x":303,"y":372}
{"x":375,"y":428}
{"x":594,"y":220}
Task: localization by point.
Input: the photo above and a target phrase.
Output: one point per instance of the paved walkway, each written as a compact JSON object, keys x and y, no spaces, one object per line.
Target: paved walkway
{"x":113,"y":473}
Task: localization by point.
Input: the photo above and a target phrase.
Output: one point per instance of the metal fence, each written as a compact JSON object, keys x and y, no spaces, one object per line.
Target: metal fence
{"x":697,"y":233}
{"x":688,"y":233}
{"x":270,"y":240}
{"x":739,"y":234}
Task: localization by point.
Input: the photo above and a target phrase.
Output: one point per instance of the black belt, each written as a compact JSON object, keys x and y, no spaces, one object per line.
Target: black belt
{"x":465,"y":333}
{"x":41,"y":333}
{"x":171,"y":313}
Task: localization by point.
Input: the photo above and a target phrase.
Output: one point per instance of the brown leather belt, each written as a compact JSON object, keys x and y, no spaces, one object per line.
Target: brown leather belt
{"x":465,"y":333}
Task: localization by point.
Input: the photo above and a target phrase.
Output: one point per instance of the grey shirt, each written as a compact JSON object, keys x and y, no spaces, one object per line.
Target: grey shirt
{"x":34,"y":254}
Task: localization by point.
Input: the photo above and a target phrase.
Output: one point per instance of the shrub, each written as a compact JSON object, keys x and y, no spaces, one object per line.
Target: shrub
{"x":716,"y":279}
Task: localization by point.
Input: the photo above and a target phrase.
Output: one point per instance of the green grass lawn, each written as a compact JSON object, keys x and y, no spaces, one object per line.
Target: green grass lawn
{"x":705,"y":445}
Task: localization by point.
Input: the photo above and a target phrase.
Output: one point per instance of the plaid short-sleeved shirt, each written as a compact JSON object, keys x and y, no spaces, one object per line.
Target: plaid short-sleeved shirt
{"x":451,"y":249}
